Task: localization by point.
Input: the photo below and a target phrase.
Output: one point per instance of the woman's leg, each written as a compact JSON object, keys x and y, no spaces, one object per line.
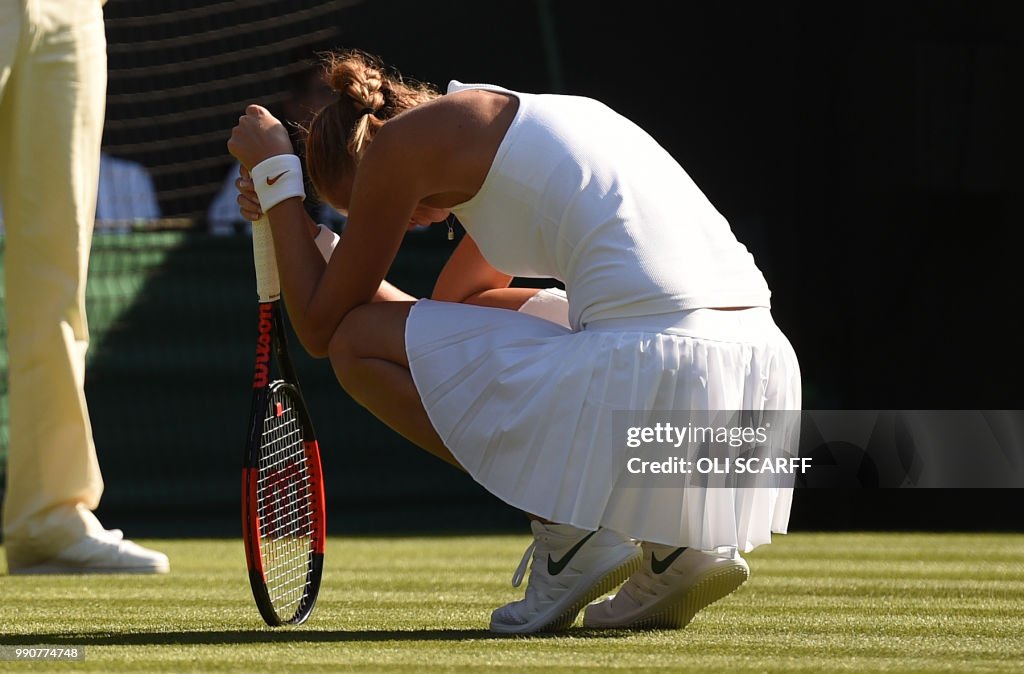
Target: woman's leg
{"x":368,"y":355}
{"x":369,"y":359}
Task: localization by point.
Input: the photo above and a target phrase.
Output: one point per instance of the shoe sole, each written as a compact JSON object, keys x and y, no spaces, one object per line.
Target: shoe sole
{"x":676,"y":612}
{"x":54,"y":570}
{"x":567,"y":617}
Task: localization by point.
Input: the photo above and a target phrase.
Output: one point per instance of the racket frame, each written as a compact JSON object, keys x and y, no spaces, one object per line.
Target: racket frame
{"x":272,"y":349}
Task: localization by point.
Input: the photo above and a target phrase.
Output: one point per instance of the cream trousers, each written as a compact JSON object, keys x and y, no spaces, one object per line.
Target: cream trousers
{"x":53,"y":78}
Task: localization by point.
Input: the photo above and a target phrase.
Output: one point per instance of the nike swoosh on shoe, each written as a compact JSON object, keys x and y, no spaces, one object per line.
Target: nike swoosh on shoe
{"x":660,"y":566}
{"x":555,"y":568}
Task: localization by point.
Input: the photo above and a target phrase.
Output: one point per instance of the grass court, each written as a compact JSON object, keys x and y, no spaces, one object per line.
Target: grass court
{"x":814,"y":603}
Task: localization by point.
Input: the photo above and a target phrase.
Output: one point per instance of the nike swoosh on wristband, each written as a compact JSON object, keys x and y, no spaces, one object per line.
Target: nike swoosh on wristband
{"x":555,"y":568}
{"x":271,"y":181}
{"x":661,"y":566}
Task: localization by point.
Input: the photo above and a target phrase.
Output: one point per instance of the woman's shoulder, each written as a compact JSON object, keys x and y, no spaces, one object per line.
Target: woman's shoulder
{"x":457,"y":117}
{"x":453,"y":138}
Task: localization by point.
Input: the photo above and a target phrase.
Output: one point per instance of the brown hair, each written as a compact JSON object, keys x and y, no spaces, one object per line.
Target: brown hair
{"x":369,"y":94}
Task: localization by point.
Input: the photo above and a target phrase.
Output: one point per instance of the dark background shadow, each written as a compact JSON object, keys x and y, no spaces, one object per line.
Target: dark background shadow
{"x":868,"y":153}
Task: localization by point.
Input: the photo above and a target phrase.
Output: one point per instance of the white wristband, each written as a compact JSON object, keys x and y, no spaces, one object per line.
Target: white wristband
{"x":278,"y":178}
{"x":326,"y":240}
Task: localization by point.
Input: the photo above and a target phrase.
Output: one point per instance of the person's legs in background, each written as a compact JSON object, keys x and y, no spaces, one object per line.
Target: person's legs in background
{"x":52,"y":100}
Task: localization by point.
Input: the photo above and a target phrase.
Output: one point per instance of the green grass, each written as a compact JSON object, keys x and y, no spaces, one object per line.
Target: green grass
{"x":815,"y":602}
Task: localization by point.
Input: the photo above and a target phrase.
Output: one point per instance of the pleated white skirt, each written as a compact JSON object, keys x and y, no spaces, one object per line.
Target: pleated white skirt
{"x":525,"y":405}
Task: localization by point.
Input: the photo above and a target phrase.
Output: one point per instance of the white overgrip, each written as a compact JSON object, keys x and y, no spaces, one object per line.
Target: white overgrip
{"x":275,"y":179}
{"x":268,"y":283}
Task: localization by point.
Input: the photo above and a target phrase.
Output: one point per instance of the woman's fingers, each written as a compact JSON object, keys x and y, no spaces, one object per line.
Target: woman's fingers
{"x":246,"y":186}
{"x":249,"y":208}
{"x":248,"y":201}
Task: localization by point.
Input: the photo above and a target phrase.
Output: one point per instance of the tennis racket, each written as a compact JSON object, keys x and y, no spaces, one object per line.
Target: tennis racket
{"x":282,"y":483}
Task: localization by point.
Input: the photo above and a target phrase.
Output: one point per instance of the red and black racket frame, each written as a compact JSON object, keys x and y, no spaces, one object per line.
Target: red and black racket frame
{"x":272,"y":343}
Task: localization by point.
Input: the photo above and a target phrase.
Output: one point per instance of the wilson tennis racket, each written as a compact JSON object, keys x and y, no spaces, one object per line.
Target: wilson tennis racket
{"x":282,"y":483}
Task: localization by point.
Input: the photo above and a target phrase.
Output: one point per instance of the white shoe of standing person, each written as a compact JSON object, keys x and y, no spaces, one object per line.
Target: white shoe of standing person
{"x":106,"y":551}
{"x":672,"y":585}
{"x":571,"y":567}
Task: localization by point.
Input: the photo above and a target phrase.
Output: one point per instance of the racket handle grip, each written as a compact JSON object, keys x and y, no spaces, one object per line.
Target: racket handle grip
{"x":268,"y":283}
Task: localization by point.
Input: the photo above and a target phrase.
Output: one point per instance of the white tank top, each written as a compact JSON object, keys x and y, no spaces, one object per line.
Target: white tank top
{"x":581,"y":194}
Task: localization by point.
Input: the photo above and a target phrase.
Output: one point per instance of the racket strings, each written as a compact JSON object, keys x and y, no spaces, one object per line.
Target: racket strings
{"x":284,"y":497}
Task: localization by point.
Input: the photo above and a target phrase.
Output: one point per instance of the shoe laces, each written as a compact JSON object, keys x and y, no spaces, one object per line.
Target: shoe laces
{"x":520,"y":573}
{"x":644,"y":584}
{"x":641,"y":585}
{"x":541,"y":587}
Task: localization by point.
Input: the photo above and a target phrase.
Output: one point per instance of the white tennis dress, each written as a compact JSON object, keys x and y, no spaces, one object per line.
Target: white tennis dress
{"x":524,"y":400}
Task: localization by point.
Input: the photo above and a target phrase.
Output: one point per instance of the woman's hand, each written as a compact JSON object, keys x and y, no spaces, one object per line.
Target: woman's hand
{"x":257,"y":136}
{"x":248,"y":200}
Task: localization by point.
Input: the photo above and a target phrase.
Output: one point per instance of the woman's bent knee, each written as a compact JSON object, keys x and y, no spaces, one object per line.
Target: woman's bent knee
{"x":342,"y":349}
{"x":371,"y":331}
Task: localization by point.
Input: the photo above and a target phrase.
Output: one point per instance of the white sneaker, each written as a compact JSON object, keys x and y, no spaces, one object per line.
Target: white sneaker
{"x":103,"y":552}
{"x":571,"y":568}
{"x":672,"y":585}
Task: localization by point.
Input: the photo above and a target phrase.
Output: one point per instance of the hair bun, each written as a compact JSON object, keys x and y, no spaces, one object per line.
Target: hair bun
{"x":358,"y":77}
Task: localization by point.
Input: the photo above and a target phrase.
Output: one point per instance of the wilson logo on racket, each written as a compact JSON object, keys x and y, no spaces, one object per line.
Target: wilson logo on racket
{"x":263,"y":342}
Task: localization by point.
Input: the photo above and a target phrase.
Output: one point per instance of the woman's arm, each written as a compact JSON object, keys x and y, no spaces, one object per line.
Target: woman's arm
{"x":439,"y":151}
{"x":467,"y":274}
{"x":249,"y":208}
{"x":319,"y":295}
{"x":412,"y":157}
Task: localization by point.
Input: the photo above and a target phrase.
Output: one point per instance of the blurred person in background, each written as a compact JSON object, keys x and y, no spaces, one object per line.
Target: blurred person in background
{"x":126,"y":194}
{"x":306,"y":94}
{"x":53,"y":77}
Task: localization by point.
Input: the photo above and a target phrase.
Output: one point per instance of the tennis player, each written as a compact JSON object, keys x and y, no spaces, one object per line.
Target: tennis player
{"x":663,"y":309}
